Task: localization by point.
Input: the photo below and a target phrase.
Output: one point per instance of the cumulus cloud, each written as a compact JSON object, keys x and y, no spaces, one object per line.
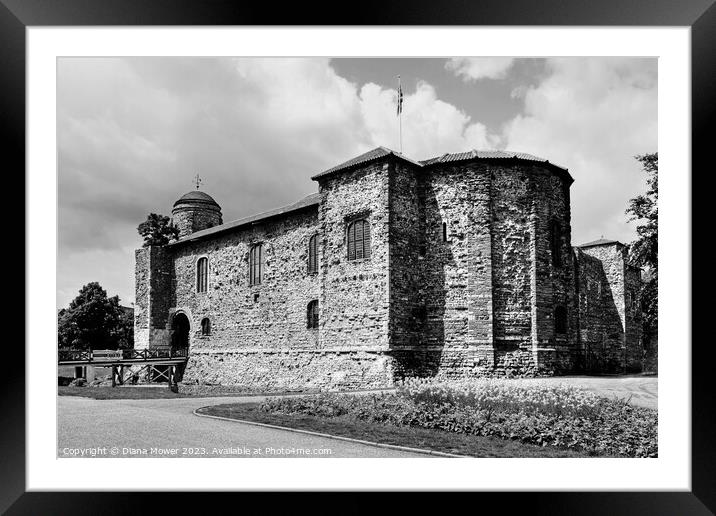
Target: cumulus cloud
{"x":477,"y":68}
{"x":593,"y":116}
{"x":430,"y":126}
{"x":133,"y":132}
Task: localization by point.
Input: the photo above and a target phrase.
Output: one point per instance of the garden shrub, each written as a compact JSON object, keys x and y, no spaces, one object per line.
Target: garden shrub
{"x":562,"y":416}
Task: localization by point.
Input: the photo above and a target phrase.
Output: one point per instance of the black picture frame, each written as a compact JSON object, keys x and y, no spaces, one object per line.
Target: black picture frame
{"x":700,"y":15}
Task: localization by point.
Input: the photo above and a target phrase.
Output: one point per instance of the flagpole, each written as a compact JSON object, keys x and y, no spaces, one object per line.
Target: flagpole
{"x":400,"y":116}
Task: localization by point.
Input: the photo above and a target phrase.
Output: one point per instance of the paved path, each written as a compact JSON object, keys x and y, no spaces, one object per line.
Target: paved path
{"x":642,"y":390}
{"x":163,"y":426}
{"x":169,"y":424}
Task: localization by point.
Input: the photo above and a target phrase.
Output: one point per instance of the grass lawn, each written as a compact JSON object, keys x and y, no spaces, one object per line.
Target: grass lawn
{"x":424,"y":438}
{"x":146,"y":393}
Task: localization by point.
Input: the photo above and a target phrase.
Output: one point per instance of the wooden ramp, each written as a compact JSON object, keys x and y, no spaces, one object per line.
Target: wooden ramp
{"x":157,"y":364}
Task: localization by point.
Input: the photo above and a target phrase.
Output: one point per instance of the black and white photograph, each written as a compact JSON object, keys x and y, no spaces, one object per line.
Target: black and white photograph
{"x":369,"y":257}
{"x":424,"y":248}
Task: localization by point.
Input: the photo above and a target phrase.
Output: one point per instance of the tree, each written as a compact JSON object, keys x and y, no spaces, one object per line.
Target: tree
{"x":157,"y":230}
{"x":644,"y":251}
{"x":93,"y":321}
{"x":125,"y":328}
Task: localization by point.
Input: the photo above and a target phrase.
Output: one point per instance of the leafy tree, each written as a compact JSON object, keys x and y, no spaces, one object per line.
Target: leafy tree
{"x":93,"y":321}
{"x":643,"y":252}
{"x":157,"y":230}
{"x":125,"y":329}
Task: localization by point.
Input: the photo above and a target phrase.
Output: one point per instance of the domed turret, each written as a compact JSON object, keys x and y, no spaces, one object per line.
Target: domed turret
{"x":195,"y":211}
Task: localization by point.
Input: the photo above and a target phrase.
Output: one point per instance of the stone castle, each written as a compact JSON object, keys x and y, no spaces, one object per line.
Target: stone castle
{"x":453,"y":267}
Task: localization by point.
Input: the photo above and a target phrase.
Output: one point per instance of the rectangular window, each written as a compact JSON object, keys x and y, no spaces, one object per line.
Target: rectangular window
{"x":560,"y":320}
{"x":359,"y":240}
{"x":556,"y":243}
{"x":313,"y":254}
{"x":312,"y":315}
{"x":202,"y":274}
{"x":358,"y":231}
{"x":256,"y":265}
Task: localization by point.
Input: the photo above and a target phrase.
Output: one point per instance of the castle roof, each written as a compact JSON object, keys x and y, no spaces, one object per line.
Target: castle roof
{"x":307,"y":202}
{"x":383,"y":152}
{"x":601,"y":241}
{"x":367,"y":157}
{"x":485,"y":154}
{"x":376,"y":154}
{"x":196,"y":196}
{"x":477,"y":155}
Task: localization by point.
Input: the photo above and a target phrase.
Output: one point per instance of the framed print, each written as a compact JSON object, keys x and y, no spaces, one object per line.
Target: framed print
{"x":425,"y":247}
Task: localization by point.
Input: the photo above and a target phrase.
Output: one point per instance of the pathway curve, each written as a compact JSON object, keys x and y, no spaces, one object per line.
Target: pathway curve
{"x":165,"y":426}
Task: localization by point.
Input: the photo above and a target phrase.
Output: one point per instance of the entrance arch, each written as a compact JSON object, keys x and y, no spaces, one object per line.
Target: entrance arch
{"x":180,"y":338}
{"x":180,"y":334}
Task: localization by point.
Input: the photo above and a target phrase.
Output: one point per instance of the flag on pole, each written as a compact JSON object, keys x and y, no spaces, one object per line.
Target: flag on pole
{"x":400,"y":98}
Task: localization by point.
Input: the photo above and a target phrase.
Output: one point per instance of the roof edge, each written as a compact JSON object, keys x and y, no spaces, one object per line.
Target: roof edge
{"x":600,"y":242}
{"x":557,"y":169}
{"x":388,"y":154}
{"x":303,"y":204}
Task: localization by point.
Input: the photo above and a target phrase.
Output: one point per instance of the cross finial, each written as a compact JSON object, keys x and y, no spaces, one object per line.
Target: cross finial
{"x":197,"y":180}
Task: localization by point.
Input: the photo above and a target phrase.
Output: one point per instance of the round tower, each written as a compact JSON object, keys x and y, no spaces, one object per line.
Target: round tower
{"x":195,"y":211}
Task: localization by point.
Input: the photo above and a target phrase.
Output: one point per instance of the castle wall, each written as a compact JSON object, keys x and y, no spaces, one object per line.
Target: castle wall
{"x":288,"y":369}
{"x":257,"y":331}
{"x":457,"y":273}
{"x":153,"y":293}
{"x":512,"y":202}
{"x":354,"y":295}
{"x":610,"y":323}
{"x":461,"y":281}
{"x":633,"y":320}
{"x":272,"y":314}
{"x":491,"y":289}
{"x":553,"y":285}
{"x":408,"y":315}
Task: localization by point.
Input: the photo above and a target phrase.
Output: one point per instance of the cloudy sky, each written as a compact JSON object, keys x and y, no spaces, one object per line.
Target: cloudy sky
{"x":132,"y":133}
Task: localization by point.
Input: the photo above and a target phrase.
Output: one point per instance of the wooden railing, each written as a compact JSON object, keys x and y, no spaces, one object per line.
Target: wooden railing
{"x":76,"y":355}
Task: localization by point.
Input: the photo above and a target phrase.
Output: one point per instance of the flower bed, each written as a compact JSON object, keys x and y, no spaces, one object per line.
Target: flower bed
{"x":560,"y":416}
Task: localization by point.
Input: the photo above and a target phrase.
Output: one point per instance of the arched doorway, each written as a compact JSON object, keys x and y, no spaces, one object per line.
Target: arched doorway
{"x":180,"y":338}
{"x":180,"y":334}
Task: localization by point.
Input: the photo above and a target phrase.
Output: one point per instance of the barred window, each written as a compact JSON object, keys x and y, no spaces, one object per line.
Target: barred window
{"x":205,"y":326}
{"x":358,"y":240}
{"x":556,"y":243}
{"x":560,"y":320}
{"x":313,"y":254}
{"x":202,"y":274}
{"x":312,"y":315}
{"x":256,"y":272}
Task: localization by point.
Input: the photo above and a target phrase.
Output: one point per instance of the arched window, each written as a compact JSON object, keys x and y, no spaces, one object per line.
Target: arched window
{"x":560,"y":320}
{"x":202,"y":274}
{"x":205,"y":326}
{"x":556,"y":243}
{"x":313,"y":254}
{"x":312,"y":315}
{"x":445,"y":238}
{"x":256,"y":265}
{"x":358,"y":240}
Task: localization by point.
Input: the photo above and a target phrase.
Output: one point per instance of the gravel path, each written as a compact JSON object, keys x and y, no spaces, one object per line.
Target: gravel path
{"x":168,"y":427}
{"x":642,"y":390}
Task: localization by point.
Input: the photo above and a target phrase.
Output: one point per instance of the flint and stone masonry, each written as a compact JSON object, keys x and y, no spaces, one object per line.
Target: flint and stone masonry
{"x":462,"y":267}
